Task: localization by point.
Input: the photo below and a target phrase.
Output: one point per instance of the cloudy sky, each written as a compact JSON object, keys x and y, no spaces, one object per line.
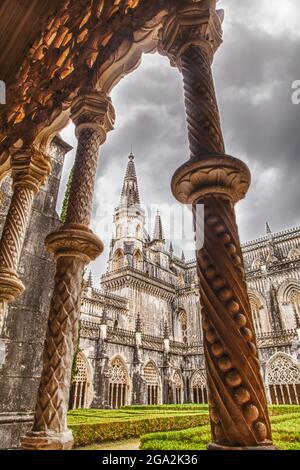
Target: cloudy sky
{"x":254,"y":71}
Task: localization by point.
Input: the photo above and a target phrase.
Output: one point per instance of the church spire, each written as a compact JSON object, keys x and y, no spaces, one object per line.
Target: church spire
{"x":158,"y":233}
{"x":130,"y":191}
{"x":268,"y":229}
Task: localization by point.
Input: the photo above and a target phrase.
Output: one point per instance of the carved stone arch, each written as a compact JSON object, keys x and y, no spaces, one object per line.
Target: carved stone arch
{"x":199,"y":386}
{"x":118,"y":259}
{"x":294,"y":253}
{"x":257,"y":262}
{"x":82,"y":392}
{"x":286,"y":289}
{"x":283,"y":379}
{"x":75,"y":52}
{"x":120,"y":384}
{"x":153,"y":383}
{"x":178,"y":386}
{"x":137,"y":259}
{"x":262,"y":323}
{"x":289,"y":299}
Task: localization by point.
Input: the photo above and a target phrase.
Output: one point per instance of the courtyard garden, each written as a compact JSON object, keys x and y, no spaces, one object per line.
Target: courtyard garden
{"x":167,"y":427}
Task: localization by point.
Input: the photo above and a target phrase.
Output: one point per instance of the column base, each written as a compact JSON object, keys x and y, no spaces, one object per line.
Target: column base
{"x":47,"y":441}
{"x":265,"y":446}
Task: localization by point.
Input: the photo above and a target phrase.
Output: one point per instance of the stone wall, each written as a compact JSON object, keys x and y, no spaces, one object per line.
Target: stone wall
{"x":25,"y":328}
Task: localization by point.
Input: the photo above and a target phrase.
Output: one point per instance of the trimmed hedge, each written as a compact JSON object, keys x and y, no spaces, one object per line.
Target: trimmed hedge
{"x":108,"y":430}
{"x":285,"y":427}
{"x":91,"y":426}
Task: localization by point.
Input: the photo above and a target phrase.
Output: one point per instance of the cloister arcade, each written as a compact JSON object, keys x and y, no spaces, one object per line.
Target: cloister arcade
{"x":86,"y":48}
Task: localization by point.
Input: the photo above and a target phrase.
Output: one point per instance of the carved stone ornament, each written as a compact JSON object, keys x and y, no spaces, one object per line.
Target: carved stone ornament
{"x":195,"y":24}
{"x":216,"y":175}
{"x":30,"y":170}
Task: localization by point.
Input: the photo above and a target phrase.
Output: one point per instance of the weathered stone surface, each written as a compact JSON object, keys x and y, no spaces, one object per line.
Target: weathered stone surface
{"x":27,"y":317}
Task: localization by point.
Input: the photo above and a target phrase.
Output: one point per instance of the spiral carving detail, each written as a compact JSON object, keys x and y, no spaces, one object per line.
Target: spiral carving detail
{"x":203,"y":121}
{"x":62,"y":333}
{"x":238,"y":408}
{"x":15,"y":227}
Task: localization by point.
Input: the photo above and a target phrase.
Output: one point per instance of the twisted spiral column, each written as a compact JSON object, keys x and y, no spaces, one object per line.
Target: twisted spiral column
{"x":73,"y":246}
{"x":238,"y":407}
{"x":203,"y":119}
{"x":29,"y":172}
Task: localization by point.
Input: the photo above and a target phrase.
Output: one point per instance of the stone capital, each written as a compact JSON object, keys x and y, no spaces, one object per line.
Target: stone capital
{"x":215,"y":175}
{"x":30,"y":168}
{"x":75,"y":241}
{"x":194,"y":24}
{"x":11,"y":286}
{"x":94,"y":111}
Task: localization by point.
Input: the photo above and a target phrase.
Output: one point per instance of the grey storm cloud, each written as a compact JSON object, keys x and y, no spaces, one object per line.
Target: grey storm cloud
{"x":254,"y":71}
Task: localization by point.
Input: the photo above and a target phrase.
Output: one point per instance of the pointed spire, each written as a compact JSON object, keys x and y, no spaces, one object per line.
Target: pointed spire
{"x":158,"y":233}
{"x":171,"y":249}
{"x":90,"y":280}
{"x":130,"y":191}
{"x":104,"y":317}
{"x":166,"y":330}
{"x":182,"y":256}
{"x":138,"y":324}
{"x":268,"y":229}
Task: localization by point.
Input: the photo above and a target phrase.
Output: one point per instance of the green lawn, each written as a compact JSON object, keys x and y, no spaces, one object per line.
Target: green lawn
{"x":285,"y":423}
{"x":170,"y":427}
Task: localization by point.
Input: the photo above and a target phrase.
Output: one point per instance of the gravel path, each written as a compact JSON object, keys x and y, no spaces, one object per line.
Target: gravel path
{"x":130,"y":444}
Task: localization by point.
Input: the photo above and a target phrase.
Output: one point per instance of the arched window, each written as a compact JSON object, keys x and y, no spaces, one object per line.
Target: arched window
{"x":294,"y":254}
{"x":182,"y":317}
{"x":177,"y":379}
{"x":199,"y":387}
{"x":283,"y":380}
{"x":289,"y":297}
{"x":81,"y":385}
{"x":138,"y":232}
{"x":119,"y":231}
{"x":118,"y":260}
{"x":152,"y":382}
{"x":295,"y":301}
{"x":118,"y":383}
{"x":255,"y":308}
{"x":137,"y":260}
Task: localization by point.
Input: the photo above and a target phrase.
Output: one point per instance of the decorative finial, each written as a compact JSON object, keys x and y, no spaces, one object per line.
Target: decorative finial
{"x":166,"y":330}
{"x":138,"y":325}
{"x":268,"y":229}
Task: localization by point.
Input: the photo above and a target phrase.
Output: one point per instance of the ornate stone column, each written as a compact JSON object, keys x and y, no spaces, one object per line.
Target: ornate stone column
{"x":73,"y":246}
{"x":238,"y":407}
{"x":30,"y":169}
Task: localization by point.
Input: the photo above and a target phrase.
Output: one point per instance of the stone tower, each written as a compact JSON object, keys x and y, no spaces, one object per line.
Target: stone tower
{"x":129,"y":220}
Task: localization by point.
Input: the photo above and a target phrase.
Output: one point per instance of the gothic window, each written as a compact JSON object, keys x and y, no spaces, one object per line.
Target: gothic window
{"x":152,"y":383}
{"x":138,"y":232}
{"x":199,"y":387}
{"x":81,"y":384}
{"x":177,"y":378}
{"x":283,"y":380}
{"x":289,"y":295}
{"x":255,"y":308}
{"x":137,"y":260}
{"x":118,"y":383}
{"x":294,"y":254}
{"x":119,"y":231}
{"x":295,"y":302}
{"x":118,"y":260}
{"x":183,"y":326}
